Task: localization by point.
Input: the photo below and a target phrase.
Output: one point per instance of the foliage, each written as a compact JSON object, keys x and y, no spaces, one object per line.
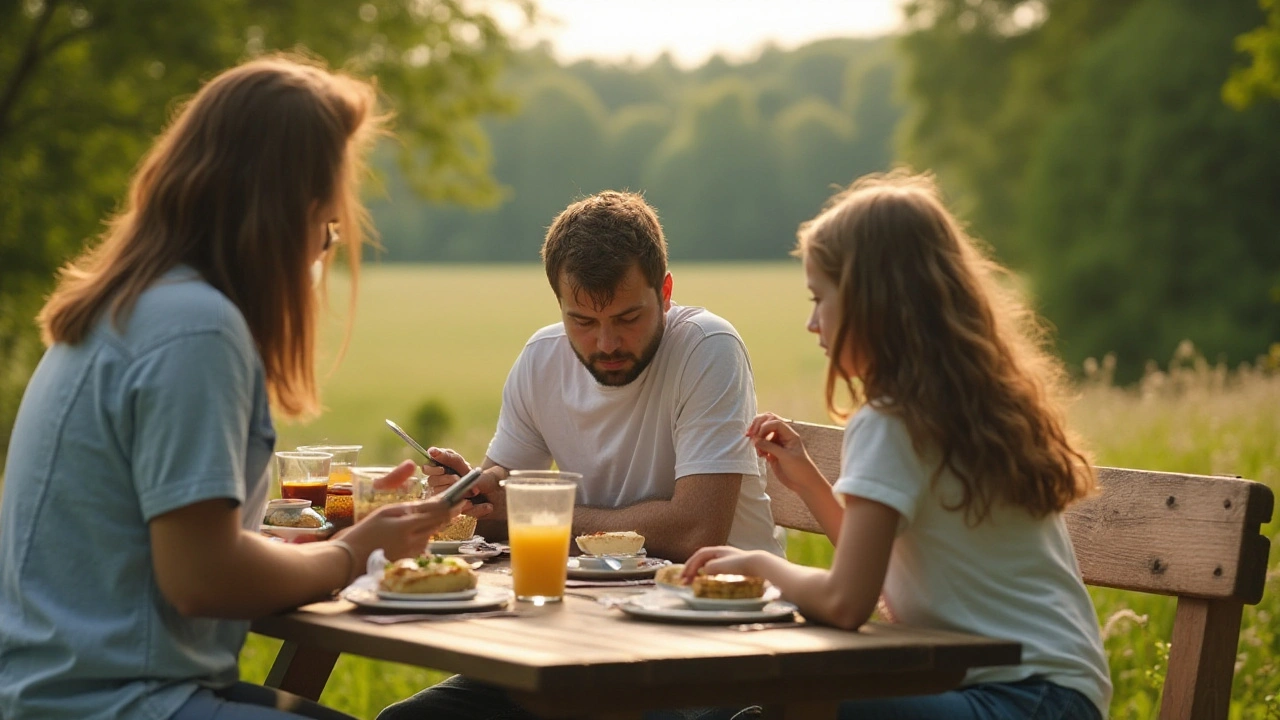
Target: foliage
{"x":85,"y":85}
{"x":432,"y":421}
{"x":1262,"y":77}
{"x":734,"y":156}
{"x":1146,"y":226}
{"x":1088,"y":143}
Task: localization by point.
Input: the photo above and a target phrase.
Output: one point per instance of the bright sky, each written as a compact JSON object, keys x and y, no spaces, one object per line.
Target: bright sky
{"x":694,"y":30}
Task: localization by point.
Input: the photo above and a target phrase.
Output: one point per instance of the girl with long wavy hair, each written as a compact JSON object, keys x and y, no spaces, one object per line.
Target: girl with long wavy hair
{"x":956,"y":464}
{"x":137,"y":472}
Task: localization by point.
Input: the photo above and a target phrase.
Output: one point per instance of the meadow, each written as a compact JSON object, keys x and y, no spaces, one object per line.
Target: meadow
{"x":451,"y":332}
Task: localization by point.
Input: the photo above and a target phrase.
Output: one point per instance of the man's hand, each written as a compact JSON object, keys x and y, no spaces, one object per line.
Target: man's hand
{"x":487,"y":496}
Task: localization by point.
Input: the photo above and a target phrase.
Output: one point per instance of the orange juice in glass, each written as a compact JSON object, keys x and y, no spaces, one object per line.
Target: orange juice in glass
{"x":539,"y":518}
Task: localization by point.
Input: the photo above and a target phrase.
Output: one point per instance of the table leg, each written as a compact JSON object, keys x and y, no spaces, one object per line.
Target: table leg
{"x":301,"y":670}
{"x":801,"y":710}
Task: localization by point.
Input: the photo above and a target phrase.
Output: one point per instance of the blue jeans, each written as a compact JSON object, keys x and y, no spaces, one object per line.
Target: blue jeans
{"x":1031,"y":699}
{"x":246,"y":701}
{"x":460,"y":698}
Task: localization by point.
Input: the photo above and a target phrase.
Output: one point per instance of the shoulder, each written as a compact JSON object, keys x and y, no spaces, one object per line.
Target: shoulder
{"x":545,"y":341}
{"x":698,"y":330}
{"x":873,"y":427}
{"x":181,"y":305}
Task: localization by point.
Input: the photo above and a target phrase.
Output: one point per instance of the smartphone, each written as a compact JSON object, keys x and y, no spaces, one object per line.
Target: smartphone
{"x":414,"y":444}
{"x":455,"y":492}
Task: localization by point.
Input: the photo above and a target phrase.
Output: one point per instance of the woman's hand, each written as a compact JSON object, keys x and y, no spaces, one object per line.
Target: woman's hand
{"x":721,"y":560}
{"x":781,"y":447}
{"x":401,"y":530}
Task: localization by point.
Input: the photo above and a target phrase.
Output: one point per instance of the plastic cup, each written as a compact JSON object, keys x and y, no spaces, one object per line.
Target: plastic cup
{"x":344,"y":458}
{"x":304,"y":475}
{"x":539,"y":519}
{"x":369,"y":498}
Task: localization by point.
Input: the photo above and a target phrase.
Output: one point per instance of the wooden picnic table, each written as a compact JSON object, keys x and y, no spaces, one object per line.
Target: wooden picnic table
{"x":581,"y":659}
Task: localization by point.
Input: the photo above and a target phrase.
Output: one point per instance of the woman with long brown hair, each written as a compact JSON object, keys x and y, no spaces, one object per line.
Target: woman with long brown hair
{"x":956,"y":467}
{"x":138,"y":467}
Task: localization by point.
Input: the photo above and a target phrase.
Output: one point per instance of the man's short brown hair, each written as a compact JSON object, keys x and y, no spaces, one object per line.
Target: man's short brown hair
{"x":596,"y":240}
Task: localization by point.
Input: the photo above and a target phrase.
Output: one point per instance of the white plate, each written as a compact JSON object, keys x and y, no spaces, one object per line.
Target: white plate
{"x":596,"y":562}
{"x":297,"y":534}
{"x":487,"y":596}
{"x":645,"y":569}
{"x":428,"y":597}
{"x":450,"y":547}
{"x":670,"y":608}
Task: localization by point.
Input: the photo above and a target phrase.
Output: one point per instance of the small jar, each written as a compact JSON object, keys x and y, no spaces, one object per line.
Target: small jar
{"x":339,"y":505}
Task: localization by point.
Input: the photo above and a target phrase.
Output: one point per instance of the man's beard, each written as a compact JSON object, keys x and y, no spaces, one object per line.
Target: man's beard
{"x":618,"y":378}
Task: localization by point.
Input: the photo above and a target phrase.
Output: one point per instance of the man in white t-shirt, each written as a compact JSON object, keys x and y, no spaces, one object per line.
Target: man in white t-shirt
{"x":648,"y":400}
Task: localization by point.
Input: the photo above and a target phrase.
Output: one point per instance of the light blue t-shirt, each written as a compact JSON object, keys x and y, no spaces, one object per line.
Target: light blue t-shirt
{"x":169,"y":410}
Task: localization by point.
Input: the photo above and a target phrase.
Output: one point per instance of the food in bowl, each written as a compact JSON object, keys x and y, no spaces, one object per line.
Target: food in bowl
{"x":293,"y":514}
{"x":428,"y":574}
{"x":611,"y":543}
{"x":462,"y":527}
{"x":728,"y":587}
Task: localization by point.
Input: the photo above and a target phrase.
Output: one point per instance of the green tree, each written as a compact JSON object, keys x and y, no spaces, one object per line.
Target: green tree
{"x":1261,"y":78}
{"x":1151,"y":205}
{"x":984,"y":77}
{"x":85,"y":85}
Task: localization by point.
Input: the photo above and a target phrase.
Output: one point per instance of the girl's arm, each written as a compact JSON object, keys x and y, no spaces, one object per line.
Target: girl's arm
{"x":845,"y":595}
{"x":774,"y":440}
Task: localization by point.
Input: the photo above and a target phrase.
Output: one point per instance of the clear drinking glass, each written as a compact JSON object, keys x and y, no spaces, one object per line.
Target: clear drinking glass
{"x":539,"y":518}
{"x":344,"y":458}
{"x":304,"y":475}
{"x":369,"y":497}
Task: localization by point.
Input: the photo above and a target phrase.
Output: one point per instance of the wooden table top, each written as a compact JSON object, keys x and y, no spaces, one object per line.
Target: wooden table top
{"x":563,"y":647}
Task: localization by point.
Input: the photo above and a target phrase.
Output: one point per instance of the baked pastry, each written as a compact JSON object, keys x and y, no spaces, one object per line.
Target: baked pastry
{"x":462,"y":527}
{"x":669,"y":575}
{"x":428,"y":574}
{"x":611,"y":543}
{"x":293,"y":517}
{"x":728,"y":587}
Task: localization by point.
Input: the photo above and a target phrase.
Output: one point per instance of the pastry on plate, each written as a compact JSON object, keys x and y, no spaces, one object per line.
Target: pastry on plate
{"x":669,"y":575}
{"x":611,"y":543}
{"x":728,"y":587}
{"x":428,"y":574}
{"x":462,"y":527}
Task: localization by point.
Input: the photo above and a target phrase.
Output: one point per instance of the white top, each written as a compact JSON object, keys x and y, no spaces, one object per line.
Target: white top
{"x":686,"y":414}
{"x":1012,"y":576}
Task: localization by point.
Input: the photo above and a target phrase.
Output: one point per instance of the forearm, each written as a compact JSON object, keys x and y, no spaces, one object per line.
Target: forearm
{"x":256,"y":576}
{"x":820,"y":594}
{"x":825,"y":509}
{"x":669,"y":533}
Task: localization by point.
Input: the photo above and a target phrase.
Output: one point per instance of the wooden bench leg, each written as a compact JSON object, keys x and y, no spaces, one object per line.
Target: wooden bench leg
{"x":301,"y":670}
{"x":1202,"y":660}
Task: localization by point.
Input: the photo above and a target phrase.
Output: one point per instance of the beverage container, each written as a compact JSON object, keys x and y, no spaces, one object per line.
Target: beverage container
{"x":344,"y":458}
{"x":539,"y":522}
{"x":369,"y":497}
{"x":304,"y":475}
{"x":340,"y":505}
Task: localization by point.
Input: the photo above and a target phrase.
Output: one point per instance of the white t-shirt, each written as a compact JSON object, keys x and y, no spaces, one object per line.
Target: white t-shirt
{"x":686,"y":414}
{"x":1012,"y":576}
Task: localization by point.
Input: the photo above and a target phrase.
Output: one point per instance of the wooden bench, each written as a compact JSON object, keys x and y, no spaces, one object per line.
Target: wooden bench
{"x":1194,"y":537}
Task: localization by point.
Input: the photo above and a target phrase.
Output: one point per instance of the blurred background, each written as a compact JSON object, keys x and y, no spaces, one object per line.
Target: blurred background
{"x":1123,"y":156}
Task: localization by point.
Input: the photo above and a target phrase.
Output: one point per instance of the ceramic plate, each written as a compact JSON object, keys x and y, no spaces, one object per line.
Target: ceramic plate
{"x":771,"y":593}
{"x":428,"y":597}
{"x":645,"y":569}
{"x":670,"y":608}
{"x":486,"y":597}
{"x":450,"y":547}
{"x":596,"y":562}
{"x":296,"y":534}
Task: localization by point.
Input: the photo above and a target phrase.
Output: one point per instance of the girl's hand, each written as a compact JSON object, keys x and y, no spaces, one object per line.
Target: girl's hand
{"x":781,"y":447}
{"x":718,"y":560}
{"x":401,"y":530}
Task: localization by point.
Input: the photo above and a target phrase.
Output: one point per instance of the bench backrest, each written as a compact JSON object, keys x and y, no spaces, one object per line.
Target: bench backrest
{"x":1195,"y":537}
